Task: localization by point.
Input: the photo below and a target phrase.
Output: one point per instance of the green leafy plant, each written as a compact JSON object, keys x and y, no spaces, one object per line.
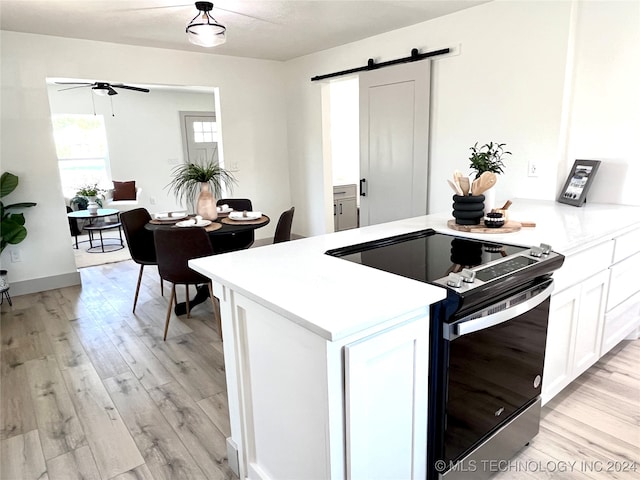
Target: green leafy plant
{"x":81,"y":200}
{"x":488,"y":158}
{"x":187,"y":178}
{"x":12,"y":229}
{"x":90,"y":190}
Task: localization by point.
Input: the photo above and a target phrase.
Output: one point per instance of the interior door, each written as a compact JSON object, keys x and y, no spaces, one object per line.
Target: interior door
{"x":394,"y":140}
{"x":200,"y":135}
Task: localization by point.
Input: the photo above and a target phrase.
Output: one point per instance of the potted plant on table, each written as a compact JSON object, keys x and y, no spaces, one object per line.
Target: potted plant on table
{"x":200,"y":184}
{"x":87,"y":198}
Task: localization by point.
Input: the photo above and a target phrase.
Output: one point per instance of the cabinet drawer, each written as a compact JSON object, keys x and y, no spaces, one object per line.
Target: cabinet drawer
{"x":627,"y":245}
{"x":344,"y":191}
{"x":619,"y":322}
{"x":582,"y":265}
{"x":624,"y":281}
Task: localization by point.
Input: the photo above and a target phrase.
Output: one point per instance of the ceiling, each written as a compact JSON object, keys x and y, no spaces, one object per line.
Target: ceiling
{"x":267,"y":29}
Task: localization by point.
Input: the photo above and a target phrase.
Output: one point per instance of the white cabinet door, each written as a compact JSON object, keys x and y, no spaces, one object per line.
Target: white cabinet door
{"x":347,"y":214}
{"x":563,"y":315}
{"x":574,"y":336}
{"x":588,"y":335}
{"x":386,"y":404}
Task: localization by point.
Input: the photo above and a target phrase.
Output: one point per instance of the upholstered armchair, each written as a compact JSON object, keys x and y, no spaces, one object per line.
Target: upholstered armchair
{"x":124,"y":196}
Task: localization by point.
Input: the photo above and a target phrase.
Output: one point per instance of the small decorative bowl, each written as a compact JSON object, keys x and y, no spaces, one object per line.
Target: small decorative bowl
{"x":494,"y":220}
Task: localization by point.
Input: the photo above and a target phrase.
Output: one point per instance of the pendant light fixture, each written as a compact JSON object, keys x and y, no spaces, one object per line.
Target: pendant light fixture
{"x":204,"y":30}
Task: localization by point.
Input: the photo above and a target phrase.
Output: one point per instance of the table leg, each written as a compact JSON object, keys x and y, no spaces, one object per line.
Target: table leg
{"x":202,"y":294}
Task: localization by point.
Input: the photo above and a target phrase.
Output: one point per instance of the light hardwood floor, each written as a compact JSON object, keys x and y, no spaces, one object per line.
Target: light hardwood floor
{"x":90,"y":391}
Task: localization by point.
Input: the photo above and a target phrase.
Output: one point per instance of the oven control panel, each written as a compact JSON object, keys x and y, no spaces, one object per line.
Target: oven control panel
{"x":470,"y":278}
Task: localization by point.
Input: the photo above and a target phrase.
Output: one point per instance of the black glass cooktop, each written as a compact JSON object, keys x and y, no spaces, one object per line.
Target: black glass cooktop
{"x":427,"y":256}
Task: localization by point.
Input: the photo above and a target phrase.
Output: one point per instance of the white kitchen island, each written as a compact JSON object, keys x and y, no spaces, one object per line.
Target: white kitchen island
{"x":326,"y":360}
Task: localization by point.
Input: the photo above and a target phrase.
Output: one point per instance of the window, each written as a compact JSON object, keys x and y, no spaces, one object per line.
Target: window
{"x":81,"y":146}
{"x":205,"y":132}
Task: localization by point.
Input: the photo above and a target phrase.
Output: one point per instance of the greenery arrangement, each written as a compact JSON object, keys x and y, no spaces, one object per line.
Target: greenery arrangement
{"x":12,"y":229}
{"x":187,"y":178}
{"x":81,"y":200}
{"x":488,"y":158}
{"x":89,"y":190}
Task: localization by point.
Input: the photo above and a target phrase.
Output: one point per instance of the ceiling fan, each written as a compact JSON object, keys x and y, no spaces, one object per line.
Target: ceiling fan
{"x":102,"y":88}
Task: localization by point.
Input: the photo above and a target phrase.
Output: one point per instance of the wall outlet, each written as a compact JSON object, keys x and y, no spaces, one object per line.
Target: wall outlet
{"x":16,"y":255}
{"x":152,"y":200}
{"x":533,"y":169}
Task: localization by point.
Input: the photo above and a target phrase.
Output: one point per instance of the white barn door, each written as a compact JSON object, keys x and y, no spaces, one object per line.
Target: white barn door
{"x":394,"y":140}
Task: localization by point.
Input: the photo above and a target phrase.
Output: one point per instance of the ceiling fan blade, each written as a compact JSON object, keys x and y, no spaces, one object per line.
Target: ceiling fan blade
{"x":77,"y":86}
{"x":74,"y":83}
{"x":129,"y":87}
{"x":161,"y":7}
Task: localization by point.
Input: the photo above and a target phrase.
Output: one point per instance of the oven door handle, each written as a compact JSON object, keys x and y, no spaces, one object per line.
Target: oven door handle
{"x":466,"y":327}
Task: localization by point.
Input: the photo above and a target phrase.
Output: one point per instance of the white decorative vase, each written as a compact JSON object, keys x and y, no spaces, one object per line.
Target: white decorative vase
{"x":92,"y":206}
{"x":489,"y":200}
{"x":206,"y":204}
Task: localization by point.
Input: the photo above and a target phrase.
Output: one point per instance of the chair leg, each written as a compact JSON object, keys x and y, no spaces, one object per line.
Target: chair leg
{"x":135,"y":298}
{"x":166,"y":325}
{"x":186,"y":291}
{"x":216,"y":309}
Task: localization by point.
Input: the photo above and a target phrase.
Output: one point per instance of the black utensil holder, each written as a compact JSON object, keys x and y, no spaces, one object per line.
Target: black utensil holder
{"x":468,"y":209}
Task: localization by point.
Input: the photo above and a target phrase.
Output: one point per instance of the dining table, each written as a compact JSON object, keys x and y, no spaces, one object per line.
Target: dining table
{"x":224,"y":233}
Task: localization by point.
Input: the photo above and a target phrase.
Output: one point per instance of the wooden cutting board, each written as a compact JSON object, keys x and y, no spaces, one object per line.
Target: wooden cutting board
{"x":508,"y":227}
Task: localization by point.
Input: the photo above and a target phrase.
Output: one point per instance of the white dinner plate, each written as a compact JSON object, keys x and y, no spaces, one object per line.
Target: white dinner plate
{"x":170,"y":217}
{"x":250,"y":216}
{"x":191,"y":223}
{"x":225,"y":210}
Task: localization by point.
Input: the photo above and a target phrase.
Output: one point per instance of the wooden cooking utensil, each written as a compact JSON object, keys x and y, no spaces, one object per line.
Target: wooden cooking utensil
{"x":456,"y":188}
{"x":464,"y":185}
{"x":484,"y":182}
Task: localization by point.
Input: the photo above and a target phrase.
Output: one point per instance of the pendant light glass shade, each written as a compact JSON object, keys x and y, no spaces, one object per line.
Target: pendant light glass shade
{"x":204,"y":30}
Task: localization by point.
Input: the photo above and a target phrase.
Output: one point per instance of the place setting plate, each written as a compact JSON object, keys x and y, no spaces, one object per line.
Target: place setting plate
{"x":193,"y":223}
{"x":168,"y":217}
{"x":237,"y":217}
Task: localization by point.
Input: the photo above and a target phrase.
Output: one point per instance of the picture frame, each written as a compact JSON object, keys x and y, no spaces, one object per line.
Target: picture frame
{"x":578,"y":182}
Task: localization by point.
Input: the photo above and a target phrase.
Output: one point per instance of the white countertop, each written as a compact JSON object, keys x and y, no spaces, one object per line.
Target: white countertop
{"x":335,"y":298}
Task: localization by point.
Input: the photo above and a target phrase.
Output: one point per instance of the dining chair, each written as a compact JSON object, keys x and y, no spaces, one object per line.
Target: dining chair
{"x":238,"y":240}
{"x":73,"y":226}
{"x":140,"y":242}
{"x":174,"y":248}
{"x":283,"y":229}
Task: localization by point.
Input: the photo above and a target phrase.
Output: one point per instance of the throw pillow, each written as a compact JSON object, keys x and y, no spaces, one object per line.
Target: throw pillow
{"x":124,"y":190}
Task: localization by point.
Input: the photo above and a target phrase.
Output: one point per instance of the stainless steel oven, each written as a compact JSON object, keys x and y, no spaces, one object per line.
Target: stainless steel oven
{"x":487,"y":371}
{"x":487,"y":342}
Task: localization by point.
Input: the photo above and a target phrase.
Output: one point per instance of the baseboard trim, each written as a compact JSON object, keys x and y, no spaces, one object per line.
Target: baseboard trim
{"x":36,"y":285}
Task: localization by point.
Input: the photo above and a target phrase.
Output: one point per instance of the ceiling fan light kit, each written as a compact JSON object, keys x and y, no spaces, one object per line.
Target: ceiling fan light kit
{"x":204,"y":30}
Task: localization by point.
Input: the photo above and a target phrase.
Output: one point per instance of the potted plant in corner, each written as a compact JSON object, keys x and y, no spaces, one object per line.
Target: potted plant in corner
{"x":12,"y":229}
{"x":200,"y":185}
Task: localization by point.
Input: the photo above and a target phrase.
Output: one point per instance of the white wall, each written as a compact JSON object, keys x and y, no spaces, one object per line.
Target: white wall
{"x":252,"y":113}
{"x":510,"y":82}
{"x":604,"y":114}
{"x":345,"y":133}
